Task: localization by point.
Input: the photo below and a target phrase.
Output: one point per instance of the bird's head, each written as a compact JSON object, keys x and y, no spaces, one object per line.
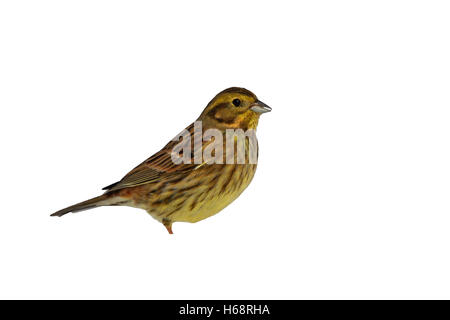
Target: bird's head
{"x":233,"y":108}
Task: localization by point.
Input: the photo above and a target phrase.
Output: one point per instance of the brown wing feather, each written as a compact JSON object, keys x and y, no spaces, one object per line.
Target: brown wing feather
{"x":154,"y":168}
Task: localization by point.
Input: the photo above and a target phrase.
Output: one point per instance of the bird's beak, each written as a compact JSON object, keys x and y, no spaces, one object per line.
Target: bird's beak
{"x":260,"y":107}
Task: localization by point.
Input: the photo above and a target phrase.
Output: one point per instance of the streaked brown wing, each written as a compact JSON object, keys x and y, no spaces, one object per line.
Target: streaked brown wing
{"x":153,"y":169}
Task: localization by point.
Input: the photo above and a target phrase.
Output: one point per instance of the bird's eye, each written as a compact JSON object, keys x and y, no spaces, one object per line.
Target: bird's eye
{"x":236,"y":102}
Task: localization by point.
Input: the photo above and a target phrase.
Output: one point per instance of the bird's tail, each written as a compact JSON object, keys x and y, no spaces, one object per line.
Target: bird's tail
{"x":103,"y":200}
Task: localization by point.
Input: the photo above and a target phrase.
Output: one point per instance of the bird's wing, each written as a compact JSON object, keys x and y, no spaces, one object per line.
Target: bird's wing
{"x":154,"y":168}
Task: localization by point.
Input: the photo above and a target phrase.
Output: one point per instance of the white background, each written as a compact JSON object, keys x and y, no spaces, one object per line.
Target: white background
{"x":351,"y":196}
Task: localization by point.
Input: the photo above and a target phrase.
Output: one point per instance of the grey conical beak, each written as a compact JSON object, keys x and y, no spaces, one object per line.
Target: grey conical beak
{"x":260,"y":107}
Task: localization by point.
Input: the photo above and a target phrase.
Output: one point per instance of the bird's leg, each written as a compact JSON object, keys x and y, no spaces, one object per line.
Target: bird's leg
{"x":168,"y":224}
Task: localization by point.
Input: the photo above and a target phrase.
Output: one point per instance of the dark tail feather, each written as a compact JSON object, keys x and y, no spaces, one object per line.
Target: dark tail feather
{"x":99,"y":201}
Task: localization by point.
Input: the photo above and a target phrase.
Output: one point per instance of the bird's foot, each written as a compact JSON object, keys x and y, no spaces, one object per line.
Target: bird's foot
{"x":168,"y":224}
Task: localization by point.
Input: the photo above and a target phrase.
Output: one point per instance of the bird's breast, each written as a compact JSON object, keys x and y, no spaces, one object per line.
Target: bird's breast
{"x":199,"y":193}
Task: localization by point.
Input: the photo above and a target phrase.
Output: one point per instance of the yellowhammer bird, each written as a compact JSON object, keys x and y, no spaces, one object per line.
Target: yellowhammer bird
{"x":194,"y":179}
